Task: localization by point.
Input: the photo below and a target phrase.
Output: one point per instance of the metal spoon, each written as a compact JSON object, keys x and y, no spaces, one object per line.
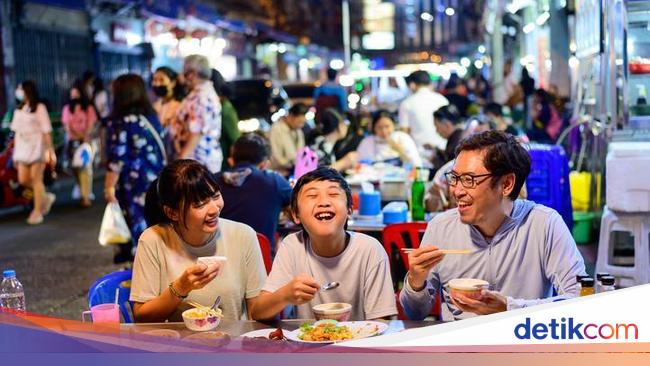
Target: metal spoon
{"x":216,"y":303}
{"x":329,"y":286}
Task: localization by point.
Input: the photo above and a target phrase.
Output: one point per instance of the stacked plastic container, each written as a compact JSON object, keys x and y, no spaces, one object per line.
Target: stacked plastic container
{"x":624,"y":247}
{"x":548,"y":181}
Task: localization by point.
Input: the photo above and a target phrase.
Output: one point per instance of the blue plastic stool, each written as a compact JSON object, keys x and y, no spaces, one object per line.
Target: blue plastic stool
{"x":103,"y":292}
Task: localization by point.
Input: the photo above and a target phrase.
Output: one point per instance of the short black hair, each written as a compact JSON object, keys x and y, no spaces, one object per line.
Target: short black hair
{"x":320,"y":174}
{"x":329,"y":121}
{"x":447,"y":113}
{"x":419,"y":77}
{"x":495,"y":108}
{"x":504,"y":155}
{"x":250,"y":148}
{"x":331,"y":74}
{"x":298,"y":109}
{"x":382,"y":113}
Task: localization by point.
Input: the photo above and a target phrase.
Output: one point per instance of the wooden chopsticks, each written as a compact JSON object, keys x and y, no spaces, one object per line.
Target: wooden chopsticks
{"x":205,"y":308}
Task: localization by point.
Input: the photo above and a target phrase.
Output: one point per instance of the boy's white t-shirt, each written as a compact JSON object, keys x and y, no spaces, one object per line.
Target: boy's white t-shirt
{"x":362,"y":270}
{"x":162,"y":256}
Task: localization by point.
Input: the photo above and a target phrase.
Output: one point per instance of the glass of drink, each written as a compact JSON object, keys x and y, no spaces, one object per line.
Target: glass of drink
{"x":103,"y":313}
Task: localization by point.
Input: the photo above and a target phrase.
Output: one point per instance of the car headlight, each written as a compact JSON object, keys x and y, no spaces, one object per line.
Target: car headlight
{"x":248,"y":125}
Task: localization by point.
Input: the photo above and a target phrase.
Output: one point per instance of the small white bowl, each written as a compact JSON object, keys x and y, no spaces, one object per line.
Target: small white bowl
{"x":339,"y":311}
{"x":470,"y":287}
{"x":198,"y":321}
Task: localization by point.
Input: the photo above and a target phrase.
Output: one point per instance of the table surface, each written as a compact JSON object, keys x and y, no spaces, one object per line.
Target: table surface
{"x":238,"y":327}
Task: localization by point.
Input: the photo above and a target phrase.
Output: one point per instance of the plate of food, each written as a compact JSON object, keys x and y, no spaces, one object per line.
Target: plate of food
{"x":268,"y":333}
{"x":327,"y":331}
{"x":214,"y":338}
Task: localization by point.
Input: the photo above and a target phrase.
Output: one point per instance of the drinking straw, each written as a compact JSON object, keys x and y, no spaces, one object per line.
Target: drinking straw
{"x":117,"y":294}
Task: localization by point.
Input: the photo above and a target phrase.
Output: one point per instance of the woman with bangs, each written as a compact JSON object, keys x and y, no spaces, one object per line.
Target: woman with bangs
{"x":182,"y":209}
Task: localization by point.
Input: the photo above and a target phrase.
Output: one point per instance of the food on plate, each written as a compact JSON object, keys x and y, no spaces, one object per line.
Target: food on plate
{"x":324,"y":331}
{"x":165,"y":333}
{"x":209,"y":338}
{"x":277,"y":335}
{"x":469,"y":287}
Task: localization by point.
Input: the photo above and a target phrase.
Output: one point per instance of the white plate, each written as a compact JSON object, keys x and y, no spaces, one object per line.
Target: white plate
{"x":360,"y":329}
{"x":263,"y":333}
{"x":165,"y":333}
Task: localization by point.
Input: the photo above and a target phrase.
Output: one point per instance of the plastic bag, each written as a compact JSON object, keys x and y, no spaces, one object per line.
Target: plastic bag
{"x":83,"y":156}
{"x":114,"y":229}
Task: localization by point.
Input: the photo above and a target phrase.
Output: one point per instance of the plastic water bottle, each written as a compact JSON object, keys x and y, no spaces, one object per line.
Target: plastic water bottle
{"x":12,"y":295}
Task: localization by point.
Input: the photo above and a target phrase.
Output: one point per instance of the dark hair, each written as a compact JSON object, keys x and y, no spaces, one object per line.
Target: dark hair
{"x":494,"y":108}
{"x":84,"y":100}
{"x":419,"y":77}
{"x":504,"y":155}
{"x":382,"y":113}
{"x":31,"y":95}
{"x":320,"y":174}
{"x":179,"y":91}
{"x":180,"y":185}
{"x":331,"y":74}
{"x":250,"y":148}
{"x":543,"y":95}
{"x":130,"y":97}
{"x":220,"y":85}
{"x":447,"y":113}
{"x":298,"y":109}
{"x":329,"y":121}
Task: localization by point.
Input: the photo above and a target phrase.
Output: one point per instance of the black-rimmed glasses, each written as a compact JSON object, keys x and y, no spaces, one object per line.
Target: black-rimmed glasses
{"x":466,"y":180}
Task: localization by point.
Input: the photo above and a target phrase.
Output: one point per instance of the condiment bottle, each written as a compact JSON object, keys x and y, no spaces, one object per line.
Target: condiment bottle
{"x":599,"y":284}
{"x":587,"y":286}
{"x":607,"y":283}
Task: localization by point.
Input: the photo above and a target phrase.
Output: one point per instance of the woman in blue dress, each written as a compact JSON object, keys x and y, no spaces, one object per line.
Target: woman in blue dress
{"x":135,"y":154}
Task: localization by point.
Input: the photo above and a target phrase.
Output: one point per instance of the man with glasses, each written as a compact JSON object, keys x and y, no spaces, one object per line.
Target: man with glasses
{"x":200,"y":116}
{"x":523,"y":250}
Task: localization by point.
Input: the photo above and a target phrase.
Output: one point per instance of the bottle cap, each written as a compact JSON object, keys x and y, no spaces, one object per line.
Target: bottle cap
{"x":580,"y":277}
{"x":587,"y":282}
{"x":599,"y":275}
{"x":9,"y":273}
{"x":608,"y":280}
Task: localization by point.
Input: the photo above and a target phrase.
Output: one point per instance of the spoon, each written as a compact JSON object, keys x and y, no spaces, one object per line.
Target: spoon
{"x":329,"y":286}
{"x":216,"y":303}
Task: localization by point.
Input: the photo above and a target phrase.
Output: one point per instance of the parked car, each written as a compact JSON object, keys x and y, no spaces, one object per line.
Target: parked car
{"x":301,"y":92}
{"x":259,"y":103}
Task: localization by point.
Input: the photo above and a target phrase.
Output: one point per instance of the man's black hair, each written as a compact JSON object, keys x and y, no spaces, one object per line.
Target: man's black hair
{"x":420,"y":78}
{"x":494,"y":108}
{"x":320,"y":174}
{"x":298,"y":109}
{"x":504,"y":155}
{"x":250,"y":148}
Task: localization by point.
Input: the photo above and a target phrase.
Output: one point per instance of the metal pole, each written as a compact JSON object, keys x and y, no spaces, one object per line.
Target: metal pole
{"x":346,"y":31}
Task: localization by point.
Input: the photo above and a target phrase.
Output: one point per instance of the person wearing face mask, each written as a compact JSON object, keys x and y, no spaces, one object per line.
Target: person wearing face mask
{"x":78,"y":118}
{"x":33,"y":147}
{"x":388,"y":145}
{"x":169,"y":93}
{"x":523,"y":250}
{"x":183,"y":208}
